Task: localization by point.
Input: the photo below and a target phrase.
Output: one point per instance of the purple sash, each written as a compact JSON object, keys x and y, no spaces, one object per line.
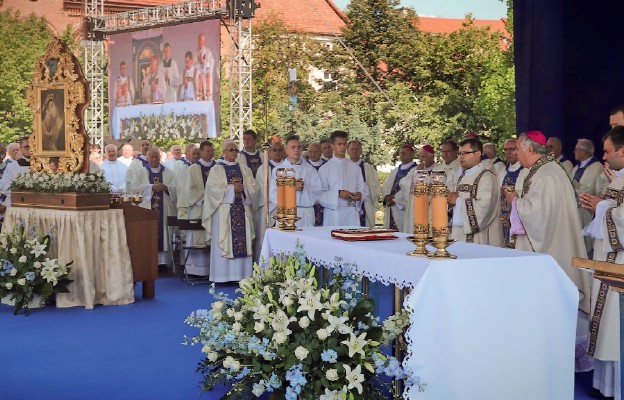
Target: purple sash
{"x":401,"y":173}
{"x":318,"y":209}
{"x":205,"y":171}
{"x":363,"y":210}
{"x":158,"y":204}
{"x":253,"y":161}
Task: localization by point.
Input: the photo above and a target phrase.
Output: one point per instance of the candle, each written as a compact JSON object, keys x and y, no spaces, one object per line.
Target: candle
{"x":439,"y":207}
{"x":421,"y":205}
{"x":281,"y":194}
{"x":290,"y":193}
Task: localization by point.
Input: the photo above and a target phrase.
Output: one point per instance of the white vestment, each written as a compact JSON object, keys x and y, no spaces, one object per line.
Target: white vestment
{"x":405,"y":198}
{"x":371,"y":203}
{"x":260,"y":223}
{"x":8,"y":177}
{"x":141,"y":185}
{"x":218,"y":198}
{"x":587,"y":184}
{"x":607,"y":351}
{"x":398,"y":209}
{"x":567,"y":164}
{"x":477,"y":214}
{"x":341,"y":174}
{"x":115,"y":174}
{"x":450,"y":170}
{"x":172,"y":81}
{"x":125,"y":161}
{"x":548,"y":211}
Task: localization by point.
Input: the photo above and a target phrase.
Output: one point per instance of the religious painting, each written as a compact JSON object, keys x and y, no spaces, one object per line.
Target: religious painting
{"x":58,"y":95}
{"x":52,"y":140}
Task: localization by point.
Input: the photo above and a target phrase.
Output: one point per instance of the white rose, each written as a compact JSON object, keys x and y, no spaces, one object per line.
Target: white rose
{"x":8,"y":285}
{"x":13,"y":272}
{"x":236,"y":327}
{"x":331,"y":374}
{"x":238,"y":316}
{"x":13,"y":250}
{"x":235,"y":365}
{"x":230,"y":312}
{"x":259,"y":326}
{"x":217,"y":306}
{"x":301,"y":353}
{"x":21,"y":281}
{"x":322,"y":334}
{"x":304,"y":322}
{"x":279,"y":337}
{"x":212,"y":356}
{"x":22,"y":259}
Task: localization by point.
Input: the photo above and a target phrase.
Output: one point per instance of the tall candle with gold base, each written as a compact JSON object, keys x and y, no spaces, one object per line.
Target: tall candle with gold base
{"x":290,"y":199}
{"x":281,"y":197}
{"x":439,"y":220}
{"x":420,"y":191}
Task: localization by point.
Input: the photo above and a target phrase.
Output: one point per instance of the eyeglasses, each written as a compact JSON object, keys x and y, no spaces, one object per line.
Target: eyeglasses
{"x":232,"y":150}
{"x":465,"y":153}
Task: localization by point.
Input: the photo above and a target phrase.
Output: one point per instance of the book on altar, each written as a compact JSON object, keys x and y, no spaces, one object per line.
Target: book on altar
{"x":357,"y":234}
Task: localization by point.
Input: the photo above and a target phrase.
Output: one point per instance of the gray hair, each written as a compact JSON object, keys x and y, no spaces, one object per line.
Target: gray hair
{"x":110,"y":146}
{"x":229,"y":141}
{"x":526,"y":142}
{"x":153,"y":149}
{"x":586,"y":145}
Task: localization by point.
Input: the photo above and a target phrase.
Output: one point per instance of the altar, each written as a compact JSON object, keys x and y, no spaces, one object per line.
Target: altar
{"x":96,"y":243}
{"x":493,"y":324}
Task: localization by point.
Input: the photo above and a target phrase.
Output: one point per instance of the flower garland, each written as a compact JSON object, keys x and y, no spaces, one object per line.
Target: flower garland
{"x":61,"y":182}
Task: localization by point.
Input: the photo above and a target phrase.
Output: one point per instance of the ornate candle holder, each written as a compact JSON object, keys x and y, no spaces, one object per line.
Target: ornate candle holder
{"x":287,"y":205}
{"x":440,"y":235}
{"x":420,"y":240}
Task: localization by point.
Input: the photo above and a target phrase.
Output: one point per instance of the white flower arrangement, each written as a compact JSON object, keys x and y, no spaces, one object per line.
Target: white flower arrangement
{"x":169,"y":126}
{"x":26,"y":271}
{"x":62,"y":182}
{"x":288,"y":335}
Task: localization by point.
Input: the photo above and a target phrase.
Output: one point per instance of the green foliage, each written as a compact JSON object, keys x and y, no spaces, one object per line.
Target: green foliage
{"x":23,"y":42}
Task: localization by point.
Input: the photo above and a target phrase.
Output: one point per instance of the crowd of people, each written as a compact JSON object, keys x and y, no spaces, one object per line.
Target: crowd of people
{"x":535,"y":200}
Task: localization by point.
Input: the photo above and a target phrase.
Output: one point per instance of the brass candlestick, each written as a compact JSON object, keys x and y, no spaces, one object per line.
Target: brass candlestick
{"x":441,"y":241}
{"x":421,"y":233}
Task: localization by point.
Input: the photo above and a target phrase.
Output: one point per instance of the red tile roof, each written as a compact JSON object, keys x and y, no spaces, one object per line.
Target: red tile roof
{"x":448,"y":25}
{"x":304,"y":16}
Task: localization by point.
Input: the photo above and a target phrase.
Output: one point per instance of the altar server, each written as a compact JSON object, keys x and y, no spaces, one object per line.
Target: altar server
{"x":114,"y":170}
{"x":607,"y":228}
{"x":157,"y":186}
{"x":315,"y":160}
{"x":369,"y":173}
{"x":344,"y":189}
{"x":395,"y":212}
{"x":476,"y":201}
{"x":544,"y":215}
{"x":227,"y":218}
{"x":308,"y":182}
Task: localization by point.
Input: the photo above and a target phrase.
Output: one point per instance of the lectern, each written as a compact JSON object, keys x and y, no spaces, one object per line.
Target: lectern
{"x":613,"y":275}
{"x":142,"y":238}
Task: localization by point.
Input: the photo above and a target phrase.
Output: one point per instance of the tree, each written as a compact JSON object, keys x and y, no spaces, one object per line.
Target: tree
{"x":23,"y":41}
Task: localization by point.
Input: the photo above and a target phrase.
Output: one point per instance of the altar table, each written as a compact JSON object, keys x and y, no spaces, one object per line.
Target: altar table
{"x":96,"y":243}
{"x":178,"y":108}
{"x":493,"y":324}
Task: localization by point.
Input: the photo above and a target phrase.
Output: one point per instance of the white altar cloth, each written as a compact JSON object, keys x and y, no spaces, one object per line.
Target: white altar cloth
{"x":177,"y":108}
{"x":96,"y":243}
{"x":493,"y":324}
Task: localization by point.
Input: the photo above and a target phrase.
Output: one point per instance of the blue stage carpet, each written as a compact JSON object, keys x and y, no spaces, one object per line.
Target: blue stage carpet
{"x":116,"y":352}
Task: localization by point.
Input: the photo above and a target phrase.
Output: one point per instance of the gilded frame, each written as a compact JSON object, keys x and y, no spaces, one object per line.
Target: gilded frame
{"x":58,"y":96}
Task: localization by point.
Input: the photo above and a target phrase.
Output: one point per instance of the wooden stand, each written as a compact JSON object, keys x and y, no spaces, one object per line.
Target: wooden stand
{"x":613,"y":275}
{"x":142,"y":238}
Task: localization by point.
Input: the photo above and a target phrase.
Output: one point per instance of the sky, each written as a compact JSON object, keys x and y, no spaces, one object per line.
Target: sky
{"x":480,"y":9}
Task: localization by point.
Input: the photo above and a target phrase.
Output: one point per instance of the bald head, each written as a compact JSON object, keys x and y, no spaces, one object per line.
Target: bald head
{"x":489,"y":149}
{"x":277,"y":152}
{"x":554,"y":146}
{"x":314,"y":151}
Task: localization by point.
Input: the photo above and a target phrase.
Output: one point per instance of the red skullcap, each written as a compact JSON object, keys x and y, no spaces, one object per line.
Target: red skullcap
{"x":471,"y":135}
{"x":428,"y":148}
{"x":537,"y":136}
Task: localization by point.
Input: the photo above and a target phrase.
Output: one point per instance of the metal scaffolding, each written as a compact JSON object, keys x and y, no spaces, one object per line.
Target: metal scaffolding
{"x":94,"y":60}
{"x":236,"y":14}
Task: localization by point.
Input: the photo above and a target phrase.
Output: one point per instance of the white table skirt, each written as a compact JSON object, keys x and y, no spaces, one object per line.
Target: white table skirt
{"x":178,"y":108}
{"x":493,"y":324}
{"x":96,"y":243}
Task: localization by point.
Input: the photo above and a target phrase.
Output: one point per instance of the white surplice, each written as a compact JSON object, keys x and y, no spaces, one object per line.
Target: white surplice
{"x":115,"y":174}
{"x":587,"y":184}
{"x":398,"y":209}
{"x":371,"y":203}
{"x":341,"y":174}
